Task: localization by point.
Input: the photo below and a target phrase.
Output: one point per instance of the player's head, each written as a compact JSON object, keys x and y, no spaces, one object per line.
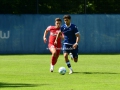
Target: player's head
{"x":67,"y":19}
{"x":58,"y":22}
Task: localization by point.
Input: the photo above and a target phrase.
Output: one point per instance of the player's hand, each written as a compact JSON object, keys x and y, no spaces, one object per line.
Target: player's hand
{"x":45,"y":40}
{"x":75,"y":46}
{"x":55,"y":43}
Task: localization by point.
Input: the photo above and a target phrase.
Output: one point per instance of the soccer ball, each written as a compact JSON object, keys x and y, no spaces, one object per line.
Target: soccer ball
{"x":62,"y":70}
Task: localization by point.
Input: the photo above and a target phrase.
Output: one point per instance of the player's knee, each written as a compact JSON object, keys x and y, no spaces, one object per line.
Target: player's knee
{"x":65,"y":55}
{"x":75,"y":59}
{"x":54,"y":53}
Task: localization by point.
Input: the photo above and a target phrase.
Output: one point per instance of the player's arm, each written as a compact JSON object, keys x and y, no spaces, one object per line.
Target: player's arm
{"x":77,"y":40}
{"x":62,"y":36}
{"x":77,"y":37}
{"x":44,"y":36}
{"x":58,"y":35}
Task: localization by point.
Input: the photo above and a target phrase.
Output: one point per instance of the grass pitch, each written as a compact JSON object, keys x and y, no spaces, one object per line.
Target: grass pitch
{"x":31,"y":72}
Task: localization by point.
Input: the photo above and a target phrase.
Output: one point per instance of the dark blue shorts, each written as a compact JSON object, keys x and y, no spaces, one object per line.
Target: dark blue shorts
{"x":68,"y":49}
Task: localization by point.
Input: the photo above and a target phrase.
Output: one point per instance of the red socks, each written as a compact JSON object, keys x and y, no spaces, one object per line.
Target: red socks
{"x":53,"y":60}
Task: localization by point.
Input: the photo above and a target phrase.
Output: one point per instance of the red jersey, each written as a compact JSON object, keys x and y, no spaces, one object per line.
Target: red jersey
{"x":53,"y":33}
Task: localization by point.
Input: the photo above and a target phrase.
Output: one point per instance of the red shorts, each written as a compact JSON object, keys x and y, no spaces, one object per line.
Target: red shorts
{"x":58,"y":47}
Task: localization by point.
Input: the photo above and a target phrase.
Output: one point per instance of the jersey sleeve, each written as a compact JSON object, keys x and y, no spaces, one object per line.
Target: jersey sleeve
{"x":76,"y":30}
{"x":48,"y":28}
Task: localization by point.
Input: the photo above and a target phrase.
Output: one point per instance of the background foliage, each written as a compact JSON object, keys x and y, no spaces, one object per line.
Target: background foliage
{"x":59,"y":6}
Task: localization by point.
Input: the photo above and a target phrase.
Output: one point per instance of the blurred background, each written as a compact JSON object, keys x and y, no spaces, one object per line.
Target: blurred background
{"x":22,"y":24}
{"x":59,"y":6}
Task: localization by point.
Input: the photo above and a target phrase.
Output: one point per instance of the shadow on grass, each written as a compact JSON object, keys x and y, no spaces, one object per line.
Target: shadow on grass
{"x":17,"y":85}
{"x":96,"y":73}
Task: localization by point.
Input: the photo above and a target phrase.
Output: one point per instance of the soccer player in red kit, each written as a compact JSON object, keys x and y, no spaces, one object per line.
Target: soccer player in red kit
{"x":54,"y":48}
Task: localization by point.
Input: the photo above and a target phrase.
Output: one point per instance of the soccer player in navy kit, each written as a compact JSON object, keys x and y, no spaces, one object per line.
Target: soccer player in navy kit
{"x":71,"y":39}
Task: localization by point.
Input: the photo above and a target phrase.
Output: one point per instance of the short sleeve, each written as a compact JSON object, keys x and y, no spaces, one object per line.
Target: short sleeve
{"x":76,"y":30}
{"x":48,"y":28}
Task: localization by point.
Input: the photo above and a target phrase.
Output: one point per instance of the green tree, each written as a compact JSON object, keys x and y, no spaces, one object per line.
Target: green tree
{"x":103,"y":6}
{"x":59,"y":7}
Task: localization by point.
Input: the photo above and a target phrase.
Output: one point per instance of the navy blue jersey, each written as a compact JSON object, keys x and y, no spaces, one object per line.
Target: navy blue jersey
{"x":69,"y":33}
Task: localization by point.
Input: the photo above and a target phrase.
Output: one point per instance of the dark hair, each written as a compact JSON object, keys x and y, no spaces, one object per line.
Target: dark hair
{"x":58,"y":19}
{"x":67,"y":16}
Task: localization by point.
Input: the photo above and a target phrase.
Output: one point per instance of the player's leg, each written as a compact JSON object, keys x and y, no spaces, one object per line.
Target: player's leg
{"x":52,"y":49}
{"x":58,"y":49}
{"x":75,"y":54}
{"x":57,"y":54}
{"x":66,"y":52}
{"x":71,"y":55}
